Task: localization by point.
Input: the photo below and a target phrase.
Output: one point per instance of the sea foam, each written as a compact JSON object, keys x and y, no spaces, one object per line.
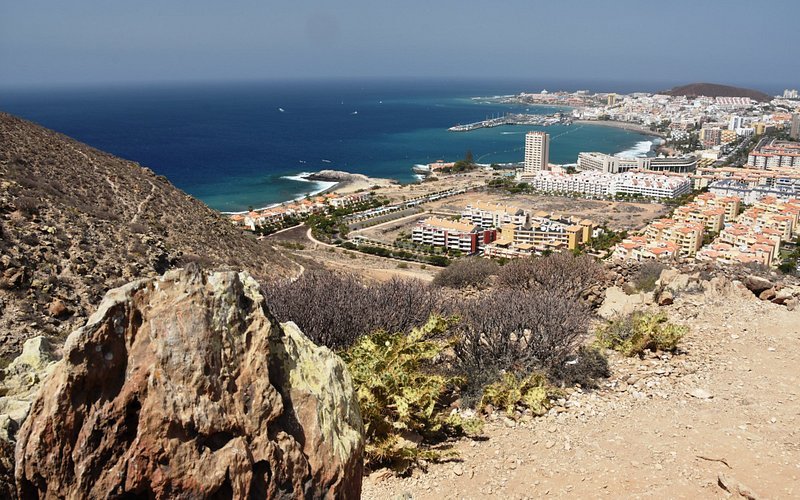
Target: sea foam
{"x":641,"y":148}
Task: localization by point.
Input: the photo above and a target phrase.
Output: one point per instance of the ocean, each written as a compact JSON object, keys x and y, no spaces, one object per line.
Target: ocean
{"x":238,"y":145}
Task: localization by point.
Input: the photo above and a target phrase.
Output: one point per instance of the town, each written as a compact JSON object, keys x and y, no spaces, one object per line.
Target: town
{"x":725,"y":176}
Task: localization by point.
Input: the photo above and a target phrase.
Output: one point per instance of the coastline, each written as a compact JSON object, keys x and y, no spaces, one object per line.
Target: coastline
{"x":633,"y":127}
{"x":332,"y":182}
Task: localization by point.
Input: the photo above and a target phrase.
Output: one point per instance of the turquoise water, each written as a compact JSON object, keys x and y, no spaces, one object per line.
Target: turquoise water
{"x":234,"y":145}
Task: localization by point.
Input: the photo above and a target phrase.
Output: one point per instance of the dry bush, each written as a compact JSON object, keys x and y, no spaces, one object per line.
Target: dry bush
{"x":560,"y":273}
{"x":517,"y":331}
{"x":472,"y":271}
{"x":335,"y":310}
{"x":645,"y":278}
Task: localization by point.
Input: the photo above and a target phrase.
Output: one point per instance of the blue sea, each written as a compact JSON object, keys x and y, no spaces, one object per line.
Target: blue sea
{"x":240,"y":145}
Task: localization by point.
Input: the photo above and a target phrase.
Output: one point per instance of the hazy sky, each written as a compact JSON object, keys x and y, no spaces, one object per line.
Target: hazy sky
{"x":45,"y":42}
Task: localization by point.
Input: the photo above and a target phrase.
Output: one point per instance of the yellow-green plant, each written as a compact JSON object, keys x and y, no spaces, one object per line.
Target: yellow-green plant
{"x":399,"y":398}
{"x":640,"y":331}
{"x":509,"y":393}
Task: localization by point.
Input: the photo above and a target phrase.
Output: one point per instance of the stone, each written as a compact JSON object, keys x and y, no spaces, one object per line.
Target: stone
{"x":700,"y":393}
{"x":665,"y":298}
{"x":618,"y":303}
{"x":757,"y":284}
{"x":20,"y":381}
{"x":791,"y":304}
{"x":58,"y":309}
{"x":768,"y":294}
{"x":185,"y":387}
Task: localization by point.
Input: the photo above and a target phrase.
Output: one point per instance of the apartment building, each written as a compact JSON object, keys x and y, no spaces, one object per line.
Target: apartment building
{"x":464,"y":237}
{"x":753,"y":194}
{"x":770,"y":154}
{"x":651,"y":185}
{"x":592,"y":184}
{"x":544,"y":231}
{"x":729,"y":204}
{"x":600,"y":162}
{"x":537,"y":152}
{"x":713,"y":219}
{"x":489,"y":215}
{"x":688,"y":236}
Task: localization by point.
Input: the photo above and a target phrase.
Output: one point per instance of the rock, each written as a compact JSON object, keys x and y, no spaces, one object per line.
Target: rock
{"x":20,"y":381}
{"x":665,"y":298}
{"x":185,"y":387}
{"x":791,"y":304}
{"x":458,"y":470}
{"x":7,"y":487}
{"x":734,"y":487}
{"x":700,"y":393}
{"x":767,"y":294}
{"x":618,"y":303}
{"x":757,"y":284}
{"x":57,"y":309}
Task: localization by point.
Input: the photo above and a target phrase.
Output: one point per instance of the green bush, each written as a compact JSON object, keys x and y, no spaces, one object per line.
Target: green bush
{"x":511,"y":393}
{"x":641,"y":331}
{"x":400,"y":400}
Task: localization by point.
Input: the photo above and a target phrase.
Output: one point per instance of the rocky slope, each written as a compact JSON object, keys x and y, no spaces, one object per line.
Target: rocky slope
{"x":718,"y":419}
{"x":185,"y":387}
{"x":716,"y":90}
{"x":75,"y":221}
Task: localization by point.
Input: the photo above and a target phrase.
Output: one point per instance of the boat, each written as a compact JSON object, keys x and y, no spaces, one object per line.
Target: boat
{"x":421,"y":169}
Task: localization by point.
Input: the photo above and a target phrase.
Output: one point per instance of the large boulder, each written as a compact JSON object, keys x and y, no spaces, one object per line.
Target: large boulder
{"x":186,"y":387}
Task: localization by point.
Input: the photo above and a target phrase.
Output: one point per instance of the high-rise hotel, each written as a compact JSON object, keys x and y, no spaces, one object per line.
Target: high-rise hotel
{"x":537,"y":152}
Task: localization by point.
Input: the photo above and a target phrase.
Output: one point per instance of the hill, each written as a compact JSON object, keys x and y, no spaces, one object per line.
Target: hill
{"x":716,"y":90}
{"x":75,"y":221}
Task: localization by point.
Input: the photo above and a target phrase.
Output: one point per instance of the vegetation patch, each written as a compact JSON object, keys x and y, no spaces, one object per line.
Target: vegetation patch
{"x":512,"y":393}
{"x":401,"y":399}
{"x":640,"y":331}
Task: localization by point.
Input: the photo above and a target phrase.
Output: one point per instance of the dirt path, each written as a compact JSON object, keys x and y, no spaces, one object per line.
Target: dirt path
{"x":643,"y":434}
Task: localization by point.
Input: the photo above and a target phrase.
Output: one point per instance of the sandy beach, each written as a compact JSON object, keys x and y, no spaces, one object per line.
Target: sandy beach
{"x":633,"y":127}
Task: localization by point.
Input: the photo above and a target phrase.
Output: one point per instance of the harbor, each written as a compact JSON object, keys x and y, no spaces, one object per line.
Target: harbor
{"x":515,"y":119}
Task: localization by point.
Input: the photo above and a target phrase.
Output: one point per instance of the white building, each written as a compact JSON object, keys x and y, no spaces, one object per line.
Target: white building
{"x":753,"y":194}
{"x":537,"y":152}
{"x":609,"y":164}
{"x":651,"y":185}
{"x":489,"y":215}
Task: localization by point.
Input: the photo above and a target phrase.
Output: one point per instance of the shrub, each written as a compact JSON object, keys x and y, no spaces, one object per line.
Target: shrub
{"x":400,"y":401}
{"x":27,"y":205}
{"x":336,"y":309}
{"x":402,"y":265}
{"x":645,"y":278}
{"x":473,"y":271}
{"x":511,"y":393}
{"x":562,"y":273}
{"x":640,"y":331}
{"x":584,"y":368}
{"x":517,"y":331}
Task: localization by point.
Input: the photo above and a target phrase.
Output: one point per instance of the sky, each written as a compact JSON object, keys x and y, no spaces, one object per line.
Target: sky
{"x":89,"y":42}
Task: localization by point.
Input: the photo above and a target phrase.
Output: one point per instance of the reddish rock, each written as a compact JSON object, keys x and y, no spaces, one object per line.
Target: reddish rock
{"x":185,"y":387}
{"x":57,"y":309}
{"x":767,"y":294}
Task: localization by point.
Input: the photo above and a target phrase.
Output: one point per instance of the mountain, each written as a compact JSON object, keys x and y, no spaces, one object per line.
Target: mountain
{"x":75,"y":222}
{"x":716,"y":90}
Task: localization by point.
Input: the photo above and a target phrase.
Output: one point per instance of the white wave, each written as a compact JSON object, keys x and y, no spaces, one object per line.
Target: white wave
{"x":640,"y":149}
{"x":511,"y":133}
{"x":319,"y":186}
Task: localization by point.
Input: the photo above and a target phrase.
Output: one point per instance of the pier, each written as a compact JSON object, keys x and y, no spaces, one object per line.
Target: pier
{"x":514,"y":119}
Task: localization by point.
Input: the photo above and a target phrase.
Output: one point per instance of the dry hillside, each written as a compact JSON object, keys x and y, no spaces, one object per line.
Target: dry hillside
{"x":75,"y":221}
